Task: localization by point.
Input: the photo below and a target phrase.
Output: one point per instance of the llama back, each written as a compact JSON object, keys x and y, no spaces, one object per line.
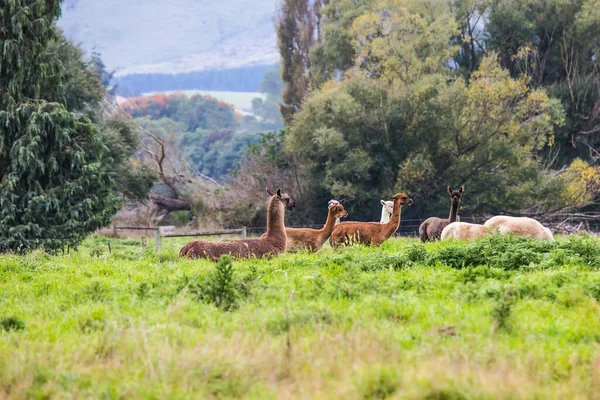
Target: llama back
{"x":362,"y":232}
{"x":463,"y":231}
{"x":237,"y":249}
{"x":520,"y":226}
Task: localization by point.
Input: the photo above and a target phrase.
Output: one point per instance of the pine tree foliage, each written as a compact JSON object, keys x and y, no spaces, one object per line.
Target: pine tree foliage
{"x":56,"y":181}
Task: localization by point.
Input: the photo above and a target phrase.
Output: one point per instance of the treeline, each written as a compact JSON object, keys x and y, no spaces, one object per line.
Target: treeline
{"x":383,"y":96}
{"x":243,"y":79}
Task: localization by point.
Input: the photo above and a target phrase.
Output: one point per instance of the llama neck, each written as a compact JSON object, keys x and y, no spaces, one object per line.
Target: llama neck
{"x":453,"y":211}
{"x":385,"y":216}
{"x":275,"y":212}
{"x":394,"y":222}
{"x":329,"y":225}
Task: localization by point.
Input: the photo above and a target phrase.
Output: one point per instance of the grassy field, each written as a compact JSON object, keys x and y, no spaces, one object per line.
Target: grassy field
{"x":500,"y":318}
{"x":240,"y":100}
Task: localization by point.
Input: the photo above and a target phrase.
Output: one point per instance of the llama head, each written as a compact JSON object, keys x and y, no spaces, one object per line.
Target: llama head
{"x":332,"y":203}
{"x":455,"y":195}
{"x":338,"y":211}
{"x":388,"y":206}
{"x":402,"y":198}
{"x":284,"y":198}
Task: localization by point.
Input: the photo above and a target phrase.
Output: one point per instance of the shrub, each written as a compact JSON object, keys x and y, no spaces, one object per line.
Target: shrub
{"x":11,"y":324}
{"x":220,"y":286}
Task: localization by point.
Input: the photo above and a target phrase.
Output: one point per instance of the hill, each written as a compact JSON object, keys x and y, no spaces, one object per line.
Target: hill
{"x":178,"y":36}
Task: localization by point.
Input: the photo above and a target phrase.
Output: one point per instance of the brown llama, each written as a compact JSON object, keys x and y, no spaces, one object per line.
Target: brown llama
{"x":313,"y":239}
{"x":370,"y":233}
{"x":432,"y":227}
{"x":272,"y":244}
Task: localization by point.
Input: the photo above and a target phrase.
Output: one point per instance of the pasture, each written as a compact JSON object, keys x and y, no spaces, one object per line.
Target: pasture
{"x":497,"y":318}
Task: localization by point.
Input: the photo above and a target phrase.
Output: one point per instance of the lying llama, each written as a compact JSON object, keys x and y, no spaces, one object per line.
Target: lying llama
{"x":370,"y":233}
{"x":273,"y":243}
{"x":520,"y":226}
{"x":313,"y":239}
{"x":386,"y":211}
{"x":464,"y":231}
{"x":431,"y":228}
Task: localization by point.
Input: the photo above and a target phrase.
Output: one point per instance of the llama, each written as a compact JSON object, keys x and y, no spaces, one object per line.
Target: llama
{"x":520,"y":226}
{"x":464,"y":231}
{"x":273,"y":243}
{"x":370,"y":233}
{"x":313,"y":239}
{"x":431,"y":228}
{"x":331,"y":203}
{"x":386,"y":211}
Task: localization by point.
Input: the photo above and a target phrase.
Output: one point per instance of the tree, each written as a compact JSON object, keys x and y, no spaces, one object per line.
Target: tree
{"x":556,"y":44}
{"x":56,"y":181}
{"x":298,"y":29}
{"x":85,"y":89}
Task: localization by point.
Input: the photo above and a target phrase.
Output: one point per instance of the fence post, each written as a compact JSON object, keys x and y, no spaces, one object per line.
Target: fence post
{"x":157,"y":240}
{"x":114,"y":228}
{"x":243,"y":232}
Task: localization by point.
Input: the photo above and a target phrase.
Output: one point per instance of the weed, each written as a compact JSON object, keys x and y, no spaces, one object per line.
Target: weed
{"x":378,"y":383}
{"x":502,"y":311}
{"x":12,"y":324}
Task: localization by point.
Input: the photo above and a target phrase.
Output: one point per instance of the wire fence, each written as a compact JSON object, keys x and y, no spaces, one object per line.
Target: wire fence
{"x":408,"y":228}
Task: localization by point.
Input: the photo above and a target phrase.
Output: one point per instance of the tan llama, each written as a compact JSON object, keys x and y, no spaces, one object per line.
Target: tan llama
{"x":370,"y":233}
{"x":313,"y":239}
{"x":464,"y":231}
{"x":520,"y":226}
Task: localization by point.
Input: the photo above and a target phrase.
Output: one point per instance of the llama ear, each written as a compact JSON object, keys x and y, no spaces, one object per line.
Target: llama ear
{"x":382,"y":202}
{"x":342,"y":201}
{"x":449,"y":190}
{"x":278,"y":192}
{"x":461,"y":189}
{"x":269,"y":192}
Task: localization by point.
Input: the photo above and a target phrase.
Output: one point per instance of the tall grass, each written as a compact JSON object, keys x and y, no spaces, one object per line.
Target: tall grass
{"x":499,"y":318}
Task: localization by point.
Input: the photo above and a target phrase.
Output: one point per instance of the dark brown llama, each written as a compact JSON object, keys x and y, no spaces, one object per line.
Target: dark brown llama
{"x":370,"y":233}
{"x":272,"y":244}
{"x":431,"y":228}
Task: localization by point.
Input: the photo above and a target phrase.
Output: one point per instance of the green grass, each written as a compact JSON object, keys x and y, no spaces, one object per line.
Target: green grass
{"x":501,"y":318}
{"x":240,"y":100}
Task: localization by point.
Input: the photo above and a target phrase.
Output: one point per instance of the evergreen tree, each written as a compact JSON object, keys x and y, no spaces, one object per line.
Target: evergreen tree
{"x":56,"y":184}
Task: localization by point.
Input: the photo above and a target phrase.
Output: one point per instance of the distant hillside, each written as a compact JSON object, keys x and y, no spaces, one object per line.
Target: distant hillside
{"x":245,"y":79}
{"x":178,"y":36}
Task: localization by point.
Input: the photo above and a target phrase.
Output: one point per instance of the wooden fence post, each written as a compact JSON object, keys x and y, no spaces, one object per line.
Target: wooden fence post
{"x":243,"y":232}
{"x":157,"y":240}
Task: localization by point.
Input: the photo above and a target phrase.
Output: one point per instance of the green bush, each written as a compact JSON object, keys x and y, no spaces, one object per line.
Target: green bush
{"x":220,"y":287}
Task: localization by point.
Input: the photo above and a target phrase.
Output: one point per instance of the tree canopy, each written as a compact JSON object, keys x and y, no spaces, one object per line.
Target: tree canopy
{"x":499,"y":96}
